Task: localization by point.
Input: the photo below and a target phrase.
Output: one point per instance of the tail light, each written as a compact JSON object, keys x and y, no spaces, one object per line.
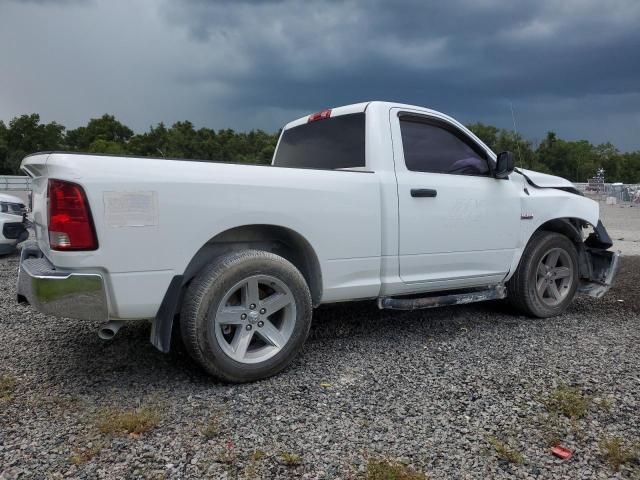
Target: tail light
{"x":70,"y":223}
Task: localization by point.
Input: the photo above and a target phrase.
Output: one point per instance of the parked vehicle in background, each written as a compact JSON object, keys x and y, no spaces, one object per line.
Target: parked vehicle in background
{"x":383,"y":201}
{"x":12,"y":223}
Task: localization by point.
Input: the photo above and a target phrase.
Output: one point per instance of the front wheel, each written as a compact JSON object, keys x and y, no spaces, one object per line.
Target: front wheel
{"x":246,"y":316}
{"x":547,"y":277}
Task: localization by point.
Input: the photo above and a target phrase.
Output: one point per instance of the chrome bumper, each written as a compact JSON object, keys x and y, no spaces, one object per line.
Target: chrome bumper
{"x":57,"y":292}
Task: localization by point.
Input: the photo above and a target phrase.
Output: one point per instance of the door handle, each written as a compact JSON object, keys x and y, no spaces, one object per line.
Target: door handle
{"x":423,"y":192}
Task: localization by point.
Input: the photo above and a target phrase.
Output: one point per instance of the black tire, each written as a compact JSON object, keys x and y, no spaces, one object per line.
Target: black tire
{"x":206,"y":292}
{"x":522,"y":289}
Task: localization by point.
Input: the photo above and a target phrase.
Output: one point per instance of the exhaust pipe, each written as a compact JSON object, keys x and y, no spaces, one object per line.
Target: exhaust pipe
{"x":109,"y":330}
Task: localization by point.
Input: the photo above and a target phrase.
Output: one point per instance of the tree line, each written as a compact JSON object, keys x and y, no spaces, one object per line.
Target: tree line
{"x":574,"y":160}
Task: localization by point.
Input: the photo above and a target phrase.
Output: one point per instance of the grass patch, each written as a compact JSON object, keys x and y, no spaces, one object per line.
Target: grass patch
{"x":8,"y":384}
{"x":605,"y":404}
{"x":616,"y":453}
{"x":136,"y":421}
{"x":506,"y":452}
{"x":384,"y":469}
{"x":567,"y":401}
{"x":85,"y":455}
{"x":251,"y":470}
{"x":228,"y":455}
{"x":290,"y":459}
{"x":258,"y":455}
{"x":212,"y":428}
{"x":553,"y":429}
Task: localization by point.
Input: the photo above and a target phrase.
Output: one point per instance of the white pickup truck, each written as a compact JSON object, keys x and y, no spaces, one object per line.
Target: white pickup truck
{"x":383,"y":201}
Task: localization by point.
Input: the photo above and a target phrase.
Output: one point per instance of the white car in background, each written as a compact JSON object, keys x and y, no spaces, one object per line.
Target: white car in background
{"x":13,"y":228}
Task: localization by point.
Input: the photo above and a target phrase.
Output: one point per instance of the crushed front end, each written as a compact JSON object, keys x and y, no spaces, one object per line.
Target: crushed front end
{"x":598,"y":265}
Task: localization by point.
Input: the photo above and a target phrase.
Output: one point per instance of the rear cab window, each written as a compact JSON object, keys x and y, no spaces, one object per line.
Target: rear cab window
{"x":330,"y":144}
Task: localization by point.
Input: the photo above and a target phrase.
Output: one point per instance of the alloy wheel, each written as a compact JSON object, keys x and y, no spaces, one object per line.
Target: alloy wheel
{"x":255,"y":319}
{"x":554,"y":277}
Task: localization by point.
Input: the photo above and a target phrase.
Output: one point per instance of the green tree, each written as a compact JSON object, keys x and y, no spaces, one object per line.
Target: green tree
{"x":575,"y":160}
{"x":4,"y":148}
{"x":105,"y":128}
{"x":630,"y":166}
{"x":153,"y":143}
{"x":502,"y":140}
{"x":27,"y":135}
{"x":107,"y":146}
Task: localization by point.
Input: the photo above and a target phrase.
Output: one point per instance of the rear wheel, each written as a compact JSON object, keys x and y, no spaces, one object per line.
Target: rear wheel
{"x":547,"y":277}
{"x":246,"y":316}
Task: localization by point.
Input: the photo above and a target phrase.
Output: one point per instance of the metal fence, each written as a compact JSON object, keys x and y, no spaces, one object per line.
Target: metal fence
{"x":612,"y":193}
{"x":15,"y":182}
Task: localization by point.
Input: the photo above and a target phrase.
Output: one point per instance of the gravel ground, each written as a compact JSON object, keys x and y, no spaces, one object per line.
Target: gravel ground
{"x":428,"y":389}
{"x":623,"y":224}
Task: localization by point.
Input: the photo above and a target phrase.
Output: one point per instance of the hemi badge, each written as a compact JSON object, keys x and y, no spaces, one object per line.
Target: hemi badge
{"x":526,"y":216}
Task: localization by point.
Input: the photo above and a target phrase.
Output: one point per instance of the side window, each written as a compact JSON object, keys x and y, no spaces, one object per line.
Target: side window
{"x":430,"y":147}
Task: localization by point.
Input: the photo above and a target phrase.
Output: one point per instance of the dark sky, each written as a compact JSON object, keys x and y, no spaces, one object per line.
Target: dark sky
{"x":572,"y":66}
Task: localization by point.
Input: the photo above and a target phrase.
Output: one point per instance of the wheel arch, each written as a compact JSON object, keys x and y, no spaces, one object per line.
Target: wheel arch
{"x":276,"y":239}
{"x":570,"y":227}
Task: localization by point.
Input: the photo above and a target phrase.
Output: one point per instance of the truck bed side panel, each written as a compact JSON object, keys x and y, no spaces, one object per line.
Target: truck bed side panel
{"x":184,"y":204}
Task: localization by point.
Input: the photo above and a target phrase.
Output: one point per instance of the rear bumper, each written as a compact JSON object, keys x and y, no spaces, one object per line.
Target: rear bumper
{"x":57,"y":292}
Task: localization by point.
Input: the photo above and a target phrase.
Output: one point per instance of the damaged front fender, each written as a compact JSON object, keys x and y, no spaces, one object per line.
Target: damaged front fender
{"x":599,"y":266}
{"x":604,"y":267}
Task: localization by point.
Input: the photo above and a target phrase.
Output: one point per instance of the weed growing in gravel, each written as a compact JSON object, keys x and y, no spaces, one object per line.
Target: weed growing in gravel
{"x":8,"y":385}
{"x":504,"y":451}
{"x":567,"y":401}
{"x":229,"y":455}
{"x":82,"y":456}
{"x":605,"y":404}
{"x":258,"y":455}
{"x":290,"y":459}
{"x":616,"y":453}
{"x":212,"y":428}
{"x":136,"y":421}
{"x":251,"y":471}
{"x":553,"y":428}
{"x":391,"y":470}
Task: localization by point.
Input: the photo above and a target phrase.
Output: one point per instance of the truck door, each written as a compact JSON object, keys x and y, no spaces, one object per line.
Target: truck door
{"x":458,"y":226}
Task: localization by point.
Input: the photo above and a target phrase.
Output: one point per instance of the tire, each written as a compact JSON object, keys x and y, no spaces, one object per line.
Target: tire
{"x":233,"y":341}
{"x":538,"y":288}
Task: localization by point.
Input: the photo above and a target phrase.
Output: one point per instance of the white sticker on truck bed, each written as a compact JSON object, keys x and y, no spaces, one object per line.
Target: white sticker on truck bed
{"x":131,"y":209}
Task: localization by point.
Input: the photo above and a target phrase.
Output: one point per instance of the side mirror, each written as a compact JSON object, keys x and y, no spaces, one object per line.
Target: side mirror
{"x":504,"y":165}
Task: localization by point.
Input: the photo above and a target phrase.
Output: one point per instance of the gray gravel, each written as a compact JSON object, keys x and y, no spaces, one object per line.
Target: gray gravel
{"x":425,"y":388}
{"x":623,"y":225}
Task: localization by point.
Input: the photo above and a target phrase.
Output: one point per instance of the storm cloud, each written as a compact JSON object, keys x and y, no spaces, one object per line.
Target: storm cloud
{"x":571,"y":66}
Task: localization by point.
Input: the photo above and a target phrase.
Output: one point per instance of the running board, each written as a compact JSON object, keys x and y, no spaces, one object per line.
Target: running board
{"x":469,"y":296}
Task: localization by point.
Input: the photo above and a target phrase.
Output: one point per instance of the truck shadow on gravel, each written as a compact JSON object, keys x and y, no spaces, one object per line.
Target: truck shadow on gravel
{"x":75,"y":351}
